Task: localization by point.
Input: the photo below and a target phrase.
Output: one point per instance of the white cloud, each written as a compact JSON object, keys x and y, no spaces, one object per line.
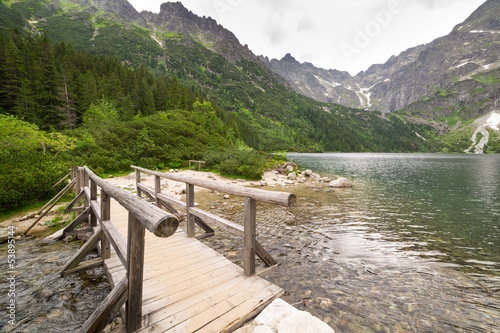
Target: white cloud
{"x":315,"y":30}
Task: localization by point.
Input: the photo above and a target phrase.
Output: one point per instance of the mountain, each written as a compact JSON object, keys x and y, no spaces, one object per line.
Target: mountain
{"x":261,"y":107}
{"x":473,"y":47}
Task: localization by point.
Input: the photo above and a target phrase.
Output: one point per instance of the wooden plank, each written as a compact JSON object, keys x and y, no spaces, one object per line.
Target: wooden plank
{"x":84,"y":250}
{"x":222,"y":223}
{"x":148,"y":191}
{"x":166,"y":199}
{"x":117,"y":240}
{"x":89,"y":264}
{"x":157,"y":190}
{"x":237,"y":316}
{"x":157,"y":221}
{"x":182,"y":306}
{"x":189,"y":204}
{"x":244,"y":296}
{"x":78,"y":197}
{"x":249,"y":237}
{"x":93,"y":203}
{"x":78,"y":220}
{"x":79,"y":231}
{"x":107,"y":310}
{"x":279,"y":198}
{"x":96,"y":210}
{"x":264,"y":255}
{"x":135,"y":269}
{"x":105,"y":215}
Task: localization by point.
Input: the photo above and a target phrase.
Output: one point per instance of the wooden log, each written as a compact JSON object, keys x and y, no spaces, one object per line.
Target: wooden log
{"x":135,"y":272}
{"x":60,"y":181}
{"x":149,"y":192}
{"x":137,"y":182}
{"x":89,"y":264}
{"x":279,"y":198}
{"x":78,"y":220}
{"x":249,"y":238}
{"x":157,"y":190}
{"x":84,"y":250}
{"x":105,"y":215}
{"x":157,"y":221}
{"x":167,"y":199}
{"x":57,"y":198}
{"x":96,"y":210}
{"x":116,"y":239}
{"x":264,"y":255}
{"x":79,"y":231}
{"x":78,"y":197}
{"x":108,"y":309}
{"x":189,"y":204}
{"x":93,"y":198}
{"x":222,"y":223}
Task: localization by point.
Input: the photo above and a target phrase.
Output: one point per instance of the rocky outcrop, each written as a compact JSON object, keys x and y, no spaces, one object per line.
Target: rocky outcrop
{"x":415,"y":74}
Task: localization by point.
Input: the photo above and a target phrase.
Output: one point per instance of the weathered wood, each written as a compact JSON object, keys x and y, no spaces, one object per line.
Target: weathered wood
{"x":222,"y":223}
{"x":107,"y":310}
{"x":203,"y":225}
{"x":117,"y":240}
{"x":78,"y":220}
{"x":105,"y":215}
{"x":279,"y":198}
{"x":135,"y":273}
{"x":79,"y":231}
{"x":149,"y":192}
{"x":89,"y":264}
{"x":69,"y":208}
{"x":157,"y":190}
{"x":264,"y":255}
{"x":93,"y":198}
{"x":249,"y":238}
{"x":166,"y":199}
{"x":199,"y":164}
{"x":153,"y":218}
{"x":138,"y":181}
{"x":84,"y":250}
{"x":96,"y":211}
{"x":62,"y":179}
{"x":57,"y":198}
{"x":189,"y":204}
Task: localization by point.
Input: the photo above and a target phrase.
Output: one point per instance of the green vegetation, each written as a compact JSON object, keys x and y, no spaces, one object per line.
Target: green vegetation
{"x":493,"y":146}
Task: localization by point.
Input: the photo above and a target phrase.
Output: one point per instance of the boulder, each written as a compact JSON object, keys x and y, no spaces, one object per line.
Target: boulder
{"x":263,"y":183}
{"x":292,"y":175}
{"x":308,"y":173}
{"x":315,"y":175}
{"x":341,"y":183}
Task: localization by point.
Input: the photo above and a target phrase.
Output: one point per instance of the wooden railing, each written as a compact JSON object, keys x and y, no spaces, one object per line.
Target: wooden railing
{"x":142,"y":215}
{"x":198,"y":216}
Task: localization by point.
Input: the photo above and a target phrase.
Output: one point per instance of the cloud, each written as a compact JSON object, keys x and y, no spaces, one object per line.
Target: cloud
{"x":306,"y":25}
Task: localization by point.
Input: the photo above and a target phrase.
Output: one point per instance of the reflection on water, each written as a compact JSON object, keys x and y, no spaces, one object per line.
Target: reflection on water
{"x":413,"y":247}
{"x":44,"y":300}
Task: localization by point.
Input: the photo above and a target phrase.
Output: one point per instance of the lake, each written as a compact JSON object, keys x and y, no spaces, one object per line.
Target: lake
{"x":414,"y":246}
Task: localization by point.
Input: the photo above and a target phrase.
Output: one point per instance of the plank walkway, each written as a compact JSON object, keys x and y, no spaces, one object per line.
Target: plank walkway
{"x":189,"y":287}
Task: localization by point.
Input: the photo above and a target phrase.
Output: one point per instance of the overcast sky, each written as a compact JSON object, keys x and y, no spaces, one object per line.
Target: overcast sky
{"x":346,"y":35}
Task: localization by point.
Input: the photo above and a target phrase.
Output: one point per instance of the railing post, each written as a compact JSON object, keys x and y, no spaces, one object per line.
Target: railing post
{"x":249,"y":236}
{"x":189,"y":203}
{"x":137,"y":182}
{"x":157,"y":190}
{"x":93,"y":197}
{"x":135,"y":270}
{"x":105,"y":216}
{"x":74,"y":174}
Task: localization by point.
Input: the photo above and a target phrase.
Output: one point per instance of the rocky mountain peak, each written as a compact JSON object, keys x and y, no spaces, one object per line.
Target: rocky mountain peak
{"x":176,"y":10}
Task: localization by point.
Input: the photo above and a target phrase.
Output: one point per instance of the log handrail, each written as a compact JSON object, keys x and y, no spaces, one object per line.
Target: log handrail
{"x":160,"y":223}
{"x":278,"y":198}
{"x":247,"y":231}
{"x":142,"y":215}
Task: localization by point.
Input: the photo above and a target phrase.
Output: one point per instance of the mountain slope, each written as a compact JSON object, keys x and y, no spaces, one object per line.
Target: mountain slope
{"x":265,"y":110}
{"x":472,"y":47}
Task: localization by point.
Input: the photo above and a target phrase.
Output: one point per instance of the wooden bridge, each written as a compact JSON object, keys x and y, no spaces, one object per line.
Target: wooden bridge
{"x":166,"y":280}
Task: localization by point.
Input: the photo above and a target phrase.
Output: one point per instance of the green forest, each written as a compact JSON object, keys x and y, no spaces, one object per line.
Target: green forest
{"x":60,"y":107}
